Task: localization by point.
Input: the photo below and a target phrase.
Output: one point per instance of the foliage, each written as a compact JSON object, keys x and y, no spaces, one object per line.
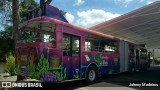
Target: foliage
{"x":110,"y":71}
{"x":76,"y":76}
{"x":8,"y":45}
{"x":10,"y":61}
{"x":43,"y":66}
{"x":58,"y":74}
{"x":42,"y":2}
{"x":7,"y":21}
{"x":99,"y":59}
{"x":63,"y":12}
{"x":32,"y":72}
{"x":26,"y":6}
{"x":11,"y":67}
{"x":6,"y":18}
{"x":156,"y":61}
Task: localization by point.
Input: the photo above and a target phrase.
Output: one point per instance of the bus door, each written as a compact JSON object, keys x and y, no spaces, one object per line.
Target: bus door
{"x":71,"y":55}
{"x":137,"y":58}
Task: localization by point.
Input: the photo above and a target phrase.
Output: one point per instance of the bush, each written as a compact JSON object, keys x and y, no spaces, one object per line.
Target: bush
{"x":155,"y":60}
{"x":12,"y":69}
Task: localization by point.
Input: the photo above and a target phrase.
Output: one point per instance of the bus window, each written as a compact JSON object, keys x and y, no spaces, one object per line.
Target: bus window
{"x":87,"y":46}
{"x":75,"y":46}
{"x":71,"y":45}
{"x":100,"y":44}
{"x":37,"y":36}
{"x":111,"y":47}
{"x":66,"y":45}
{"x":51,"y":39}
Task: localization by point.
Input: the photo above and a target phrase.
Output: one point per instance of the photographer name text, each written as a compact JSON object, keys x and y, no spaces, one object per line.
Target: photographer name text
{"x":143,"y":84}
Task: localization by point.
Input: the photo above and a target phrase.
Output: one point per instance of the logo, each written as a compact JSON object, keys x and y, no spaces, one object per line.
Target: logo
{"x":6,"y":84}
{"x":13,"y":84}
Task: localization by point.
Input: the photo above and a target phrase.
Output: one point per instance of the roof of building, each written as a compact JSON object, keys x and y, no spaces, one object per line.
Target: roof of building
{"x":141,"y":26}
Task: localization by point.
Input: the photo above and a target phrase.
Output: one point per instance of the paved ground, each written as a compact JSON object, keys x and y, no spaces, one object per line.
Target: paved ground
{"x":113,"y":82}
{"x":2,"y":67}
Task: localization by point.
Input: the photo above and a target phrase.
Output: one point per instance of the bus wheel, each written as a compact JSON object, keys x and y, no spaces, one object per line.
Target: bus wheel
{"x":91,"y":74}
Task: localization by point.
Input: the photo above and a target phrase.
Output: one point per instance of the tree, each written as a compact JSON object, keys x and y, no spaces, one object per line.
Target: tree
{"x":63,"y":12}
{"x":11,"y":13}
{"x":26,"y":6}
{"x":7,"y":45}
{"x":44,"y":1}
{"x":15,"y":17}
{"x":6,"y":35}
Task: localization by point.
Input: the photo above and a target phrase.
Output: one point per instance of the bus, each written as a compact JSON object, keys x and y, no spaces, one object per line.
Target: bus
{"x":52,"y":50}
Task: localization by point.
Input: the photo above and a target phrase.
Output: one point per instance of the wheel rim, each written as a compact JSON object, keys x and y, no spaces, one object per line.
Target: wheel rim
{"x":92,"y":75}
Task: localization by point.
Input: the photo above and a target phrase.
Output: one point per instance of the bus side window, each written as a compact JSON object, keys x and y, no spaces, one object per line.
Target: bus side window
{"x":75,"y":46}
{"x":87,"y":46}
{"x":111,"y":48}
{"x":52,"y":40}
{"x":66,"y":45}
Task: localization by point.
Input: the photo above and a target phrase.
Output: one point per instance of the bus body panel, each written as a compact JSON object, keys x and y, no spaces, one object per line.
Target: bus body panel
{"x":107,"y":63}
{"x":124,"y":61}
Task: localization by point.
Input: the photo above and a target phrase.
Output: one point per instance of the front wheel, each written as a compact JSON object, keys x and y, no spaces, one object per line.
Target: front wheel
{"x":91,"y":74}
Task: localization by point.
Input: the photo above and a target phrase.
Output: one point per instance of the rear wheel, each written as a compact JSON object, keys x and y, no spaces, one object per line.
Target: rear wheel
{"x":91,"y":74}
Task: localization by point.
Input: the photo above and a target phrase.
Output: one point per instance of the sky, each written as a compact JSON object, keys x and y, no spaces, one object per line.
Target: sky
{"x":87,"y":13}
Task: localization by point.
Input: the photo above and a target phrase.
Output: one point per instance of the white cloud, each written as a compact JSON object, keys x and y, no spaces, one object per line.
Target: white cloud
{"x":69,"y":17}
{"x":92,"y":17}
{"x":151,"y":1}
{"x":123,"y":1}
{"x":79,"y":2}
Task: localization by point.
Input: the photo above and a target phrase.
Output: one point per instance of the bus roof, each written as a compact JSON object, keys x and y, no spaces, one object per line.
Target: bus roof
{"x":49,"y":19}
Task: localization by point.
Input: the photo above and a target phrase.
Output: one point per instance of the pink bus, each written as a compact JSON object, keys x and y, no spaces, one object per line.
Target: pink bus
{"x":50,"y":49}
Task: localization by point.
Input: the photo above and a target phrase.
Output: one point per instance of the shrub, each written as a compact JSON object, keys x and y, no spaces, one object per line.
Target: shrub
{"x":12,"y":69}
{"x":155,"y":60}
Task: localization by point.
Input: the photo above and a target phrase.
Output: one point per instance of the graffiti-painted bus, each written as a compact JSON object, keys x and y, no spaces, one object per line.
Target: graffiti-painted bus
{"x":50,"y":49}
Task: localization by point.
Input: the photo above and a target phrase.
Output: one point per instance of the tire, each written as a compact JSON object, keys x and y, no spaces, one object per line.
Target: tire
{"x":91,"y":74}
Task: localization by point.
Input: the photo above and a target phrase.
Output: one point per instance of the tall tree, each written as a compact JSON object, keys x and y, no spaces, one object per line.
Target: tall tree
{"x":26,"y":6}
{"x":5,"y":36}
{"x":44,"y":1}
{"x":15,"y":17}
